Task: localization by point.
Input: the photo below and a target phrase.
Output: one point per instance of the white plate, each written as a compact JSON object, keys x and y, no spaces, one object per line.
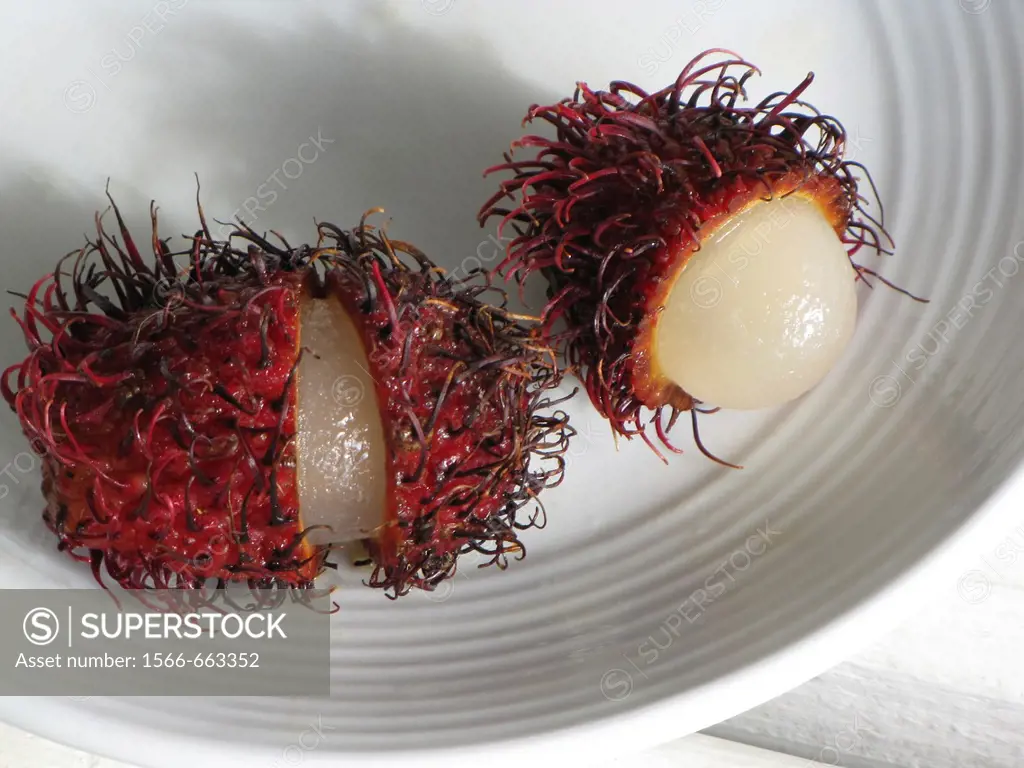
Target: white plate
{"x":870,"y":491}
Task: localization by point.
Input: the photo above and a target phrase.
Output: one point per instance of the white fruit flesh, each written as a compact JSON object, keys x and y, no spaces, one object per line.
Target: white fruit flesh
{"x":761,"y":313}
{"x":340,"y":440}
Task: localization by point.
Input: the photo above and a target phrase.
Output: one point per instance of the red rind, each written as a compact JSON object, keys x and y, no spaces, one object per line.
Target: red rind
{"x":460,"y":384}
{"x":165,"y":432}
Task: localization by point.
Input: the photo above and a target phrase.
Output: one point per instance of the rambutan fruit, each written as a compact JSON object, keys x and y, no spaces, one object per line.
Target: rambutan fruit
{"x":238,"y":416}
{"x":702,"y":253}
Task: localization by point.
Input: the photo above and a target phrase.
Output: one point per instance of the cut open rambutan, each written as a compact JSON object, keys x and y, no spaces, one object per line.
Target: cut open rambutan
{"x":701,"y":252}
{"x":238,"y":410}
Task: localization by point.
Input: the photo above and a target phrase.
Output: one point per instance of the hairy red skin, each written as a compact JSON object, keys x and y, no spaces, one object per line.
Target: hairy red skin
{"x":165,"y":433}
{"x":163,"y":405}
{"x":612,"y":207}
{"x":459,"y":384}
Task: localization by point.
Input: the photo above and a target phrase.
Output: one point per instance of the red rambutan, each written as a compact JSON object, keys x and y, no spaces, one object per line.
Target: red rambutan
{"x":237,"y":416}
{"x":701,"y":252}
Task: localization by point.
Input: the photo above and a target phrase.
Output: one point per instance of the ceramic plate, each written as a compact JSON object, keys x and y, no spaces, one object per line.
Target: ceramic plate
{"x":659,"y":599}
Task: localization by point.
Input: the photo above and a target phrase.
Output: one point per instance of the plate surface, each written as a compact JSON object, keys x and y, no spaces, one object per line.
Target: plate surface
{"x":658,"y":600}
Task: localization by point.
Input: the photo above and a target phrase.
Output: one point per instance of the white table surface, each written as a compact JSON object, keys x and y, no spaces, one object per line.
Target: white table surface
{"x":944,"y":690}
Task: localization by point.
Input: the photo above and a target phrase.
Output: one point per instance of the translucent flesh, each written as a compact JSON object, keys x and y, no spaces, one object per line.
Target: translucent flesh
{"x":340,"y":441}
{"x":762,"y":311}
